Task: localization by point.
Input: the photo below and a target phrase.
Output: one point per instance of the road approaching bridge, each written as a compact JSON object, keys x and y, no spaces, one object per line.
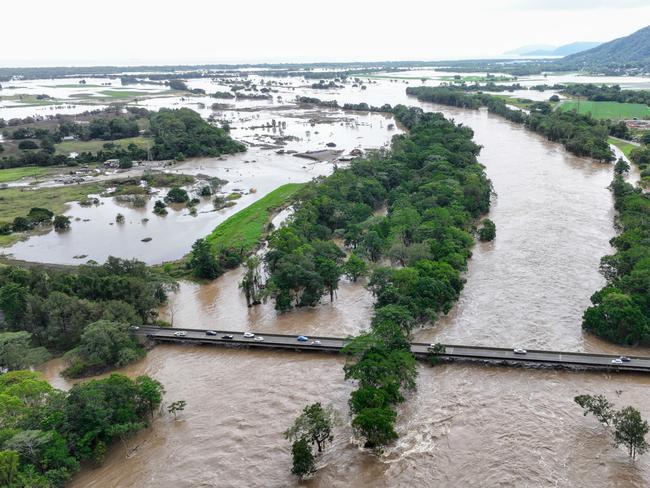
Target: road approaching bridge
{"x":532,"y":358}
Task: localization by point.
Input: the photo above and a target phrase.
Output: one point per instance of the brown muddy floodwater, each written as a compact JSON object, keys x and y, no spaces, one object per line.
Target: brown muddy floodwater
{"x":467,"y":425}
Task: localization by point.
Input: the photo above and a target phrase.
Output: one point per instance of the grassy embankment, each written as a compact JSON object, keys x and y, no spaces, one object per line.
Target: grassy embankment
{"x":625,"y":147}
{"x":607,"y":110}
{"x":17,"y":202}
{"x":243,"y":230}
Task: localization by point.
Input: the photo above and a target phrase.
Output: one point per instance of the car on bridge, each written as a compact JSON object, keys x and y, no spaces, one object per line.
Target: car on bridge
{"x":180,"y":333}
{"x":211,"y":332}
{"x":302,"y":338}
{"x":228,"y":336}
{"x":316,"y":343}
{"x":625,"y":359}
{"x":519,"y":350}
{"x":617,"y":361}
{"x":259,"y":338}
{"x":248,"y":335}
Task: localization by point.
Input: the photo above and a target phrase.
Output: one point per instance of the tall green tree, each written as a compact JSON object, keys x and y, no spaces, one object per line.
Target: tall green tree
{"x":315,"y":424}
{"x":203,"y":261}
{"x":303,"y":458}
{"x":630,"y":430}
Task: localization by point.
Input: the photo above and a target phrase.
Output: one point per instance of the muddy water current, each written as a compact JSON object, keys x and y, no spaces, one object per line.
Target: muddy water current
{"x":467,"y":425}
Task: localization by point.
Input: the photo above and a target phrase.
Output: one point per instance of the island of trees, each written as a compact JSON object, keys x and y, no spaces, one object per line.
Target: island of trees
{"x":434,"y":190}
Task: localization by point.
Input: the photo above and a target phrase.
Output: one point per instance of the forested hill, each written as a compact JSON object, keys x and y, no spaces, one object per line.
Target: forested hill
{"x":629,"y":51}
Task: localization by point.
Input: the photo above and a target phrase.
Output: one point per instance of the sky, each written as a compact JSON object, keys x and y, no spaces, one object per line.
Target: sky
{"x":135,"y":32}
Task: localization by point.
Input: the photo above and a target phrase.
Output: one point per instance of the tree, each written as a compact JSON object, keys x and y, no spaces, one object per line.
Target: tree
{"x":376,"y":426}
{"x":372,"y":245}
{"x":355,"y":267}
{"x":616,"y":317}
{"x":202,"y":260}
{"x":303,"y":459}
{"x":177,"y":195}
{"x":645,"y":138}
{"x":22,"y":224}
{"x":630,"y":430}
{"x":598,"y":405}
{"x":27,"y":144}
{"x":330,"y":273}
{"x":159,"y":208}
{"x":103,"y":344}
{"x":16,"y":351}
{"x":252,"y":283}
{"x":150,"y":393}
{"x":61,"y":223}
{"x":621,"y":166}
{"x":8,"y":467}
{"x":488,"y":232}
{"x":177,"y":406}
{"x":315,"y":424}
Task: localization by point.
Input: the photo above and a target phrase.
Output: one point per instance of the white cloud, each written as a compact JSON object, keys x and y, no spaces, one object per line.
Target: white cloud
{"x":195,"y":31}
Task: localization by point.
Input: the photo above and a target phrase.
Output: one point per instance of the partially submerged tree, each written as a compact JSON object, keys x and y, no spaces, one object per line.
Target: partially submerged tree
{"x":315,"y":424}
{"x":177,"y":406}
{"x":629,"y":428}
{"x":303,"y":458}
{"x":252,"y":284}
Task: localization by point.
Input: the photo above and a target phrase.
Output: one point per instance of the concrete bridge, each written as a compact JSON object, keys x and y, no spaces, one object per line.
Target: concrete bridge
{"x":494,"y":355}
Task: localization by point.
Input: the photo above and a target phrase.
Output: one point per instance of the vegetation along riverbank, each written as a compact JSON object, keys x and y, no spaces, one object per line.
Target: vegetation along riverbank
{"x":435,"y":191}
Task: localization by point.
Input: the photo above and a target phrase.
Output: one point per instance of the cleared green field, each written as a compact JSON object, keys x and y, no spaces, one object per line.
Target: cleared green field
{"x":607,"y":110}
{"x":66,"y":147}
{"x":14,"y":174}
{"x":17,"y":202}
{"x":625,"y":147}
{"x":245,"y":229}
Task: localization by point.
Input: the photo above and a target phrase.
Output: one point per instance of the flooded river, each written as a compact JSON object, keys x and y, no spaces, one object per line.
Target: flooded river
{"x":466,"y":425}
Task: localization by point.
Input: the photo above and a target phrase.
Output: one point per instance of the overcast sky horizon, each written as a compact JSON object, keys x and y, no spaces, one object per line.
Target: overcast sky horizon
{"x":137,"y":32}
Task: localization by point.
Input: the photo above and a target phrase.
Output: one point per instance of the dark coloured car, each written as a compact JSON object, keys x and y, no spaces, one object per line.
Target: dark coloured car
{"x":227,"y":336}
{"x":211,"y":332}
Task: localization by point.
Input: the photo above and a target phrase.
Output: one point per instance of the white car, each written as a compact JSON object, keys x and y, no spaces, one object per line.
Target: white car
{"x":316,"y":343}
{"x":180,"y":333}
{"x":617,"y":361}
{"x":249,"y":335}
{"x":259,"y":338}
{"x":518,"y":350}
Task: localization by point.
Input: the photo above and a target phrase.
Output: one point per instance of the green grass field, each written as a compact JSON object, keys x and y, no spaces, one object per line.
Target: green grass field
{"x":607,"y":110}
{"x":66,"y":147}
{"x":245,"y":228}
{"x":16,"y":202}
{"x":14,"y":174}
{"x":625,"y":147}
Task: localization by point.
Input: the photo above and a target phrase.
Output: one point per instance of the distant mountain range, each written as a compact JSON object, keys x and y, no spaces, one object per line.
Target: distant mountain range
{"x":564,"y":50}
{"x":630,"y":50}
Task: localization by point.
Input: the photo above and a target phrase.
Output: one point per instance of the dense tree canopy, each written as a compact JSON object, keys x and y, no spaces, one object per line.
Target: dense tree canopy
{"x":621,"y":311}
{"x":184,"y":133}
{"x":434,"y":190}
{"x":56,"y":307}
{"x":580,"y":134}
{"x":46,"y":433}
